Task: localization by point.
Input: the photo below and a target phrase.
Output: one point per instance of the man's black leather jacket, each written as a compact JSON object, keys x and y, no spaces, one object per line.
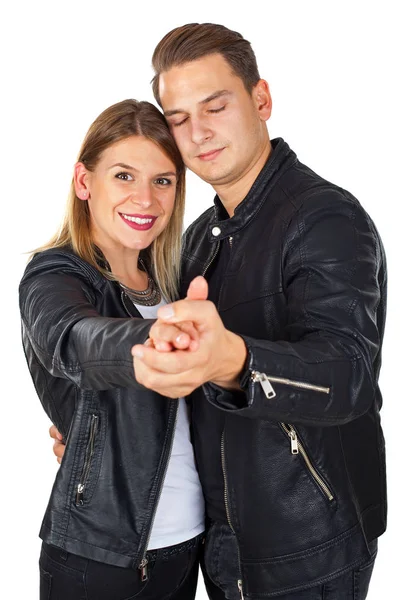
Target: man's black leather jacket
{"x":77,"y":335}
{"x":302,"y":449}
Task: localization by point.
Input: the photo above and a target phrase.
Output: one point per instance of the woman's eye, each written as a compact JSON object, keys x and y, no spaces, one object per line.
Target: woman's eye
{"x":124,"y":176}
{"x":216,"y":110}
{"x":163,"y":181}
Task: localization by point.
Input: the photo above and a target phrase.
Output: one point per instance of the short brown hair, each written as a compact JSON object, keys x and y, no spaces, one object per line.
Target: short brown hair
{"x":195,"y":40}
{"x":118,"y":122}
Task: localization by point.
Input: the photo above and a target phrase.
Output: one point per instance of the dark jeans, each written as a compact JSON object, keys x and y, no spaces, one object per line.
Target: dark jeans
{"x":220,"y":566}
{"x":172,"y":575}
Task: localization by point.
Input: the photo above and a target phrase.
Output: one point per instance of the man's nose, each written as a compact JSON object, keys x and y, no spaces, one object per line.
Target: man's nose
{"x":201,"y":132}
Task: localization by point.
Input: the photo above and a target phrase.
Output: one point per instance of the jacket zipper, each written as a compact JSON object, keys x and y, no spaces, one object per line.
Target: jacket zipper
{"x":94,"y":422}
{"x":296,"y":447}
{"x":265,"y":381}
{"x":144,"y":562}
{"x":226,"y":500}
{"x":211,"y":259}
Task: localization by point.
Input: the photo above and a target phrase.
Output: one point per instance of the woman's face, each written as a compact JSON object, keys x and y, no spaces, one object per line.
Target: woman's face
{"x":131,"y":194}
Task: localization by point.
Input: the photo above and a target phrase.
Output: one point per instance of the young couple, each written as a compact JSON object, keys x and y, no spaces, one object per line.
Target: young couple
{"x":277,"y":348}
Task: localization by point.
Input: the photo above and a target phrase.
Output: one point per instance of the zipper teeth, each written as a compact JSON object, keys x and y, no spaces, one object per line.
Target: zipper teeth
{"x":225,"y":480}
{"x":211,"y":259}
{"x":240,"y":581}
{"x":289,"y":429}
{"x":300,"y":384}
{"x":89,"y":453}
{"x":144,"y":560}
{"x":256,"y":376}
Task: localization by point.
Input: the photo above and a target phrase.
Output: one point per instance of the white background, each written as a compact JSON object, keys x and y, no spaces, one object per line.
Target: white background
{"x":332,"y":68}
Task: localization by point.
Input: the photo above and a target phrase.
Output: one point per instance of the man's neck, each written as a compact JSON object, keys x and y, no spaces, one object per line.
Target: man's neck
{"x":232,"y":194}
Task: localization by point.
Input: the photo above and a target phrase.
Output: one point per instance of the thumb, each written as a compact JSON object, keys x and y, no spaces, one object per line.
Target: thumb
{"x":198,"y":289}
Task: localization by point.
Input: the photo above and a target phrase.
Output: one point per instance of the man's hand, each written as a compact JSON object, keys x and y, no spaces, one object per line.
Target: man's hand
{"x":58,"y":446}
{"x":165,"y":337}
{"x":219,"y":356}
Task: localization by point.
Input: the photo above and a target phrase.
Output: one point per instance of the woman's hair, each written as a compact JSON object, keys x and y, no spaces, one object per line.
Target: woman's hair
{"x":120,"y":121}
{"x":196,"y":40}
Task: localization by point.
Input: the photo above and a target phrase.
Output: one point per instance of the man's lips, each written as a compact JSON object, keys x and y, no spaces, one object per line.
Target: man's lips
{"x":138,"y":222}
{"x":210,"y":155}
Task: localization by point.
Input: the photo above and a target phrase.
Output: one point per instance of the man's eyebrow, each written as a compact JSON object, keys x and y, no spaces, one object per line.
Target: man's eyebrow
{"x":214,"y":96}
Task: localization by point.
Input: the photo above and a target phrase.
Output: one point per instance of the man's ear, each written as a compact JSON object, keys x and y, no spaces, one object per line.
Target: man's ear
{"x":262,"y":98}
{"x":81,"y":181}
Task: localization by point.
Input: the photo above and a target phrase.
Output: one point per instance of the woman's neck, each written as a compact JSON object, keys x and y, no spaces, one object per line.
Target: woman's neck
{"x":124,"y":265}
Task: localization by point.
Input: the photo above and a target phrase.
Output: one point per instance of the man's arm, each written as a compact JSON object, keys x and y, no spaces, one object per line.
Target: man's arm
{"x":323,"y":371}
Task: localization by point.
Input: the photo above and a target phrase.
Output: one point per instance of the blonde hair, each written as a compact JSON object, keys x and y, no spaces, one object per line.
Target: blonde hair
{"x":122,"y":120}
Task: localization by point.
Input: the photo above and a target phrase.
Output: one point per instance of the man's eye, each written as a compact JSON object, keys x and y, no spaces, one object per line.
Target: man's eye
{"x":216,"y":110}
{"x":163,"y":181}
{"x":179,"y":123}
{"x":124,"y":176}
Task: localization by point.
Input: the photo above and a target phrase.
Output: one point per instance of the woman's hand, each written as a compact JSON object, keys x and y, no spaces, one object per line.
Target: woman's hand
{"x":58,"y":446}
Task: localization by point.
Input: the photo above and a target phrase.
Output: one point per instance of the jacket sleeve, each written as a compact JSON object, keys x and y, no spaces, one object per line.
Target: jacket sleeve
{"x":323,"y":372}
{"x":69,"y":337}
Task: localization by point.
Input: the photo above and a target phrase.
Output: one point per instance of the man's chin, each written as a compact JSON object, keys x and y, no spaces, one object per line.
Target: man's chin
{"x":214,"y":175}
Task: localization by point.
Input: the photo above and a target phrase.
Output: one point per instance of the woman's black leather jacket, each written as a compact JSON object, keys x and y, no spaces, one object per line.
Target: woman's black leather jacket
{"x":77,"y":334}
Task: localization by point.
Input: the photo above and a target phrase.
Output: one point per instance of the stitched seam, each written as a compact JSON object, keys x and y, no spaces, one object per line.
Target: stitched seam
{"x":90,"y":544}
{"x":306,"y":553}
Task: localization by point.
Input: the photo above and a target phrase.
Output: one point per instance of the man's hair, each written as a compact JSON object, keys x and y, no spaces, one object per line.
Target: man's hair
{"x":196,"y":40}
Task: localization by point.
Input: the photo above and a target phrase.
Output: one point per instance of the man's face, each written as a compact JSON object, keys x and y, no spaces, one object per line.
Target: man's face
{"x":218,"y":126}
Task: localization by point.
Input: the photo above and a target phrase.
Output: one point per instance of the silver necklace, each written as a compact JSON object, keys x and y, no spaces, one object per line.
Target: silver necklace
{"x":151,"y":296}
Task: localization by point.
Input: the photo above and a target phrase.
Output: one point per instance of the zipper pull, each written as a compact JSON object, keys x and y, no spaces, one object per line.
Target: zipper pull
{"x":293,"y":442}
{"x":240,"y":586}
{"x":265,"y":384}
{"x":143,"y":569}
{"x":79,"y":494}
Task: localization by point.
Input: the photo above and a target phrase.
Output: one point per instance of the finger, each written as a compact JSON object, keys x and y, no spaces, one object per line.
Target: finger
{"x":170,"y":385}
{"x":190,"y":329}
{"x":176,"y":336}
{"x":54,"y":433}
{"x":59,"y":461}
{"x":58,"y":449}
{"x":176,"y":362}
{"x":202,"y":313}
{"x":198,"y":289}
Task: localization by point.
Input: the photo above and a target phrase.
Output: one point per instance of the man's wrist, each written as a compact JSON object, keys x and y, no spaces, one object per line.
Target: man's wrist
{"x":234,"y":363}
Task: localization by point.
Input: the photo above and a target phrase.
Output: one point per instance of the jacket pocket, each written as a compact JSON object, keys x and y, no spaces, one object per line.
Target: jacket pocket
{"x":266,"y":383}
{"x":92,"y":460}
{"x":296,"y":447}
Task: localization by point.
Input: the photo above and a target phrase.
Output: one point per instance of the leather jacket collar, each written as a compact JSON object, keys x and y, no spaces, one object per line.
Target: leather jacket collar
{"x":221,"y":227}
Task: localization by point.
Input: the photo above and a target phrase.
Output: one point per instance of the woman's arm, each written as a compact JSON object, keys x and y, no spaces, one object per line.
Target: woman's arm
{"x":66,"y":332}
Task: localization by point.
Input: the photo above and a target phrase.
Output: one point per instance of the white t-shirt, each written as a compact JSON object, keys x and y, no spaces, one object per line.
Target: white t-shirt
{"x":180,"y":510}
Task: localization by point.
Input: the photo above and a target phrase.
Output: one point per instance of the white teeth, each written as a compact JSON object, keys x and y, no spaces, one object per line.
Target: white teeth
{"x":137,"y":220}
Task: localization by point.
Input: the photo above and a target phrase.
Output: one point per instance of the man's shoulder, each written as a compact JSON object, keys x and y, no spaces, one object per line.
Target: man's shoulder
{"x":304,"y":189}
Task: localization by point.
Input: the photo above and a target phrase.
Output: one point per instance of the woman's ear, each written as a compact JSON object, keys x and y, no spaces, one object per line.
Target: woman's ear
{"x":81,"y":181}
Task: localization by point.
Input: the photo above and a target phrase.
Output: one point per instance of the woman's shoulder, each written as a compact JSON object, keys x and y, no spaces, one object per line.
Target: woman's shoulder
{"x":62,"y":260}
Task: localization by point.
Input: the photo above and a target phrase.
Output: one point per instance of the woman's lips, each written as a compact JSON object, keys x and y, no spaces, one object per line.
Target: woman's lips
{"x":138,"y":222}
{"x":210,"y":155}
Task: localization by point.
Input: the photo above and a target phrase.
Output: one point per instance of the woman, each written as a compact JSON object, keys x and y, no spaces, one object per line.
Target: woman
{"x":125,"y":517}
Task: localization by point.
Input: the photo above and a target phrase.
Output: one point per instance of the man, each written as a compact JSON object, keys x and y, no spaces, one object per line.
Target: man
{"x":284,"y":386}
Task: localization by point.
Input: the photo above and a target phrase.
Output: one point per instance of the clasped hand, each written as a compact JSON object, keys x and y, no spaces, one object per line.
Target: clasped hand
{"x":189,"y":345}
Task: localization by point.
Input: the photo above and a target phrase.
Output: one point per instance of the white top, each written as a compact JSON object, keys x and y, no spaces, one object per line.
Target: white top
{"x":180,"y":510}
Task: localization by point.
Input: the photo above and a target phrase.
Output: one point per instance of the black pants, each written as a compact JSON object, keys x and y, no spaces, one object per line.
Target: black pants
{"x":221,"y":572}
{"x":172,"y":575}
